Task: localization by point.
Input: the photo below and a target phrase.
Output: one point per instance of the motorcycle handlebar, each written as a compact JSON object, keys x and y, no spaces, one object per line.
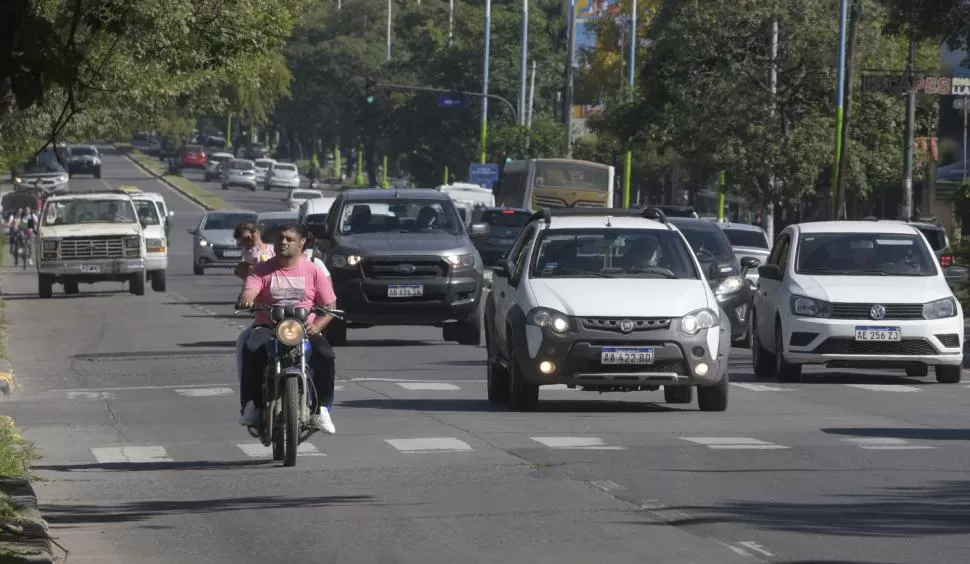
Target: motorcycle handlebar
{"x":319,"y":310}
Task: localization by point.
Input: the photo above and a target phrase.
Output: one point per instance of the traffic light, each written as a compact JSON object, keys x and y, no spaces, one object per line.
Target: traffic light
{"x":370,"y":90}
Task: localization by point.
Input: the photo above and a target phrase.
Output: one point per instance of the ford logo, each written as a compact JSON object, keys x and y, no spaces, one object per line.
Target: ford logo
{"x":405,"y":268}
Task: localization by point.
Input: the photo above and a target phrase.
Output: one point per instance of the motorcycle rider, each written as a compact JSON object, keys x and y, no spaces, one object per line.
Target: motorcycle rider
{"x":288,"y":278}
{"x":248,"y":237}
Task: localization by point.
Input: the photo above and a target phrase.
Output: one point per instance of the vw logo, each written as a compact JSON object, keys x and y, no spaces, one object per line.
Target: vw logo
{"x":878,"y":311}
{"x":405,"y":268}
{"x":626,"y":326}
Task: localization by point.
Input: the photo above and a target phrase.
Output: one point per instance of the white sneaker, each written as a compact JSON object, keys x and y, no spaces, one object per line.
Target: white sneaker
{"x":250,"y":416}
{"x":323,"y":422}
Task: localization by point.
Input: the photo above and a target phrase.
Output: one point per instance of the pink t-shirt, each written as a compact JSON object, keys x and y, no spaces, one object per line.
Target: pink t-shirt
{"x":258,"y":254}
{"x":303,"y":285}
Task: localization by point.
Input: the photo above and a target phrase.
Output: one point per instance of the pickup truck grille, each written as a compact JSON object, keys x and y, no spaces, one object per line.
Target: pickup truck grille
{"x":92,"y":247}
{"x":404,"y":268}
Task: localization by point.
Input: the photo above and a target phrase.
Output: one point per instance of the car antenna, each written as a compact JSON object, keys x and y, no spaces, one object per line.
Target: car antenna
{"x":608,"y":218}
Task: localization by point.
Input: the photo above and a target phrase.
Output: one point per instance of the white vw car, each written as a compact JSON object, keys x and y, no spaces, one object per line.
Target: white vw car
{"x":855,"y":294}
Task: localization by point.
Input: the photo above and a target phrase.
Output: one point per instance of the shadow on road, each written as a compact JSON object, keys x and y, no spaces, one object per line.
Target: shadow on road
{"x":483,"y":405}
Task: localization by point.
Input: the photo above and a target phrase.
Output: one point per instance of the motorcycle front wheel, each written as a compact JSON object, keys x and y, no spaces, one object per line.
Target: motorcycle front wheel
{"x":291,"y":419}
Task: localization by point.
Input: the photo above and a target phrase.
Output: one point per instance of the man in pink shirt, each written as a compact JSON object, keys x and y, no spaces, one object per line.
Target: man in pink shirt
{"x":288,"y":279}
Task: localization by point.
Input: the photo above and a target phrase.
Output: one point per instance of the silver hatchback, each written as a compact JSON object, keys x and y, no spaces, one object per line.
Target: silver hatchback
{"x":239,"y":172}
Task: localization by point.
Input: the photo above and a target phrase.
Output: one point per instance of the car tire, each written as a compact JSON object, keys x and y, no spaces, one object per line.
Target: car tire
{"x":497,"y":375}
{"x":97,"y":172}
{"x":678,"y":394}
{"x":469,"y":329}
{"x":198,"y":270}
{"x":523,"y":395}
{"x":71,"y":287}
{"x":137,"y":284}
{"x":158,"y":280}
{"x":45,"y":286}
{"x":762,"y":360}
{"x":784,"y":370}
{"x":714,"y":398}
{"x":917,"y":371}
{"x":336,"y":333}
{"x":949,"y":374}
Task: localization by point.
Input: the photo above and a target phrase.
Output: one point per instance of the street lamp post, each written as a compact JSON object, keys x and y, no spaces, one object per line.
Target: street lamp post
{"x":483,"y":134}
{"x":839,"y":109}
{"x":628,"y":161}
{"x":523,"y":59}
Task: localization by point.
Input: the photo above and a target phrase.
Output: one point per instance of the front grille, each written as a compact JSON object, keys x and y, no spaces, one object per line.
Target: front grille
{"x":862,"y":311}
{"x":845,"y":345}
{"x":660,"y":366}
{"x":92,"y":248}
{"x":220,"y":251}
{"x":949,"y":340}
{"x":613,"y":323}
{"x":404,"y":268}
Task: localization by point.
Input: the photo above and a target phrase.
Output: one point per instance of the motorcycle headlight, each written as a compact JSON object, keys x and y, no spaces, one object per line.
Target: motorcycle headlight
{"x":810,"y":307}
{"x":346,"y":261}
{"x":940,"y":309}
{"x":461,"y":261}
{"x":730,"y":285}
{"x":545,"y":317}
{"x":696,"y":321}
{"x":289,"y":332}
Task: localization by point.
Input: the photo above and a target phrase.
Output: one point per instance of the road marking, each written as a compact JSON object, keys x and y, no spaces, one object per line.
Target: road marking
{"x":733,"y":443}
{"x":203,"y":392}
{"x":90,"y":395}
{"x":408,"y":380}
{"x":256,"y":450}
{"x":432,"y":386}
{"x":138,"y":455}
{"x":578,"y":443}
{"x":429,"y":444}
{"x":140,"y":388}
{"x":885,"y":443}
{"x":885,"y":387}
{"x":762,"y":387}
{"x":607,"y":485}
{"x":751,"y":545}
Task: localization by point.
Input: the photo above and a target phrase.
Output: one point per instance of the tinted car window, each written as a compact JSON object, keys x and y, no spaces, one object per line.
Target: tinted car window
{"x":226,"y":221}
{"x":863,"y":254}
{"x":936,"y":237}
{"x":506,"y":218}
{"x":595,"y":253}
{"x":399,"y":215}
{"x":745,"y":238}
{"x":707,"y":242}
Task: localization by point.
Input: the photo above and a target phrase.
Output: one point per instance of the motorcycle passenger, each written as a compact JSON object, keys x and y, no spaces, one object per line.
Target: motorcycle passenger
{"x":288,"y":278}
{"x":248,"y":237}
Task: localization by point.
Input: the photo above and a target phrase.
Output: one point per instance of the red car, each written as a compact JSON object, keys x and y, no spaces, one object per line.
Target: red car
{"x":193,"y":156}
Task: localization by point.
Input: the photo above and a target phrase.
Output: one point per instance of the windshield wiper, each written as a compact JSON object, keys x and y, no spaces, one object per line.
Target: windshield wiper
{"x":585,"y":272}
{"x":663,"y":272}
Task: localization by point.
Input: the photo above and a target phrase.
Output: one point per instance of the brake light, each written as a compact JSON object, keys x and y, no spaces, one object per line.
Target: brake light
{"x":946,"y":261}
{"x":508,"y":212}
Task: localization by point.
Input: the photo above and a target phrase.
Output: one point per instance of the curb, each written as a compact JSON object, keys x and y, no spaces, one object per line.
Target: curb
{"x":164,"y":181}
{"x":29,"y":540}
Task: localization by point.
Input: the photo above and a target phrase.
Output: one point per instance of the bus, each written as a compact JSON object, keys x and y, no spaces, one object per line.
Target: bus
{"x":555,"y":183}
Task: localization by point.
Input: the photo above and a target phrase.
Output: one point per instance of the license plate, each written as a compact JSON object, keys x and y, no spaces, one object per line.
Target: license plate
{"x":91,"y":268}
{"x":405,"y":291}
{"x":626,"y":355}
{"x":234,"y":254}
{"x":878,"y":334}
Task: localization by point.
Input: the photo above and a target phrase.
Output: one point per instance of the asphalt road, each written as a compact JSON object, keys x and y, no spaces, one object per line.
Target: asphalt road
{"x":241,"y":198}
{"x":131,"y":401}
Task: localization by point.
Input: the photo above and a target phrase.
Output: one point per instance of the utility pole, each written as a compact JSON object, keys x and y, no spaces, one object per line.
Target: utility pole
{"x":389,"y":5}
{"x":570,"y":58}
{"x":532,"y":99}
{"x":768,"y":214}
{"x":842,"y":209}
{"x":523,"y":59}
{"x":451,"y":23}
{"x":483,"y":134}
{"x":628,"y":159}
{"x":839,"y":111}
{"x":907,"y":208}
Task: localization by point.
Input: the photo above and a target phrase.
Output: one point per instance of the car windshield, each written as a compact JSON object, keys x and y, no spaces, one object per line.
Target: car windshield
{"x":84,"y":152}
{"x":936,"y":237}
{"x":89,"y":210}
{"x":707,"y":241}
{"x":746,"y":238}
{"x":269,"y":228}
{"x":864,"y":254}
{"x":44,"y":163}
{"x":147,"y":212}
{"x":226,"y":222}
{"x":612,"y":253}
{"x":241,"y":165}
{"x":308,"y":195}
{"x":506,"y":218}
{"x":399,"y":215}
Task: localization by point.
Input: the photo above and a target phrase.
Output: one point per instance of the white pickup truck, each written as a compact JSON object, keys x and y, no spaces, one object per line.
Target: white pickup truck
{"x":90,"y":237}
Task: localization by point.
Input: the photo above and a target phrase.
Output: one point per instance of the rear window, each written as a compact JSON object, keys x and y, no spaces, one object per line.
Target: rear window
{"x":936,"y":237}
{"x":286,"y":167}
{"x":744,"y":238}
{"x":193,"y":148}
{"x":506,"y":218}
{"x":299,"y":195}
{"x":261,"y":163}
{"x":241,"y":165}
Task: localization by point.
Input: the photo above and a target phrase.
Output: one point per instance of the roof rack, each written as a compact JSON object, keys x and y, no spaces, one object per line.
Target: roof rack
{"x":546,"y":214}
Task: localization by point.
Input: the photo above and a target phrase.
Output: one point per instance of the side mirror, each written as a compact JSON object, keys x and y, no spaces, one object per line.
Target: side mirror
{"x":770,"y":272}
{"x":192,"y":230}
{"x":719,"y":270}
{"x":478,"y":229}
{"x":955,"y":275}
{"x":749,"y":262}
{"x":501,"y":268}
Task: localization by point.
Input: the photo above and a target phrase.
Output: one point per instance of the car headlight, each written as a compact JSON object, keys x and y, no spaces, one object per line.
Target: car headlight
{"x":289,"y":332}
{"x":18,"y":180}
{"x":461,"y":261}
{"x":50,"y":244}
{"x":545,"y":317}
{"x":346,"y":261}
{"x":131,"y":242}
{"x":940,"y":309}
{"x":810,"y":307}
{"x":155,"y":245}
{"x":696,"y":321}
{"x":203,"y":242}
{"x":730,"y":285}
{"x":61,"y":179}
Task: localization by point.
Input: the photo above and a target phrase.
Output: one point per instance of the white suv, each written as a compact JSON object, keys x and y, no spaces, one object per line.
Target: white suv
{"x":607,"y":300}
{"x":855,"y":294}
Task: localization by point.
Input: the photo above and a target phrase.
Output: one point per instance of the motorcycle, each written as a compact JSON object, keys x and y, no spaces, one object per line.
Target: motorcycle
{"x":288,"y":393}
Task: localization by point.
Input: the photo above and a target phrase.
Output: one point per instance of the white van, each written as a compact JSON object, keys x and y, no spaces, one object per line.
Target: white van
{"x":313,"y":213}
{"x":468,"y":197}
{"x":154,"y":216}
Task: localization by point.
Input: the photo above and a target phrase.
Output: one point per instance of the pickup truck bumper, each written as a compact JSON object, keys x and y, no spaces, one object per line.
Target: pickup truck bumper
{"x":92,"y":270}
